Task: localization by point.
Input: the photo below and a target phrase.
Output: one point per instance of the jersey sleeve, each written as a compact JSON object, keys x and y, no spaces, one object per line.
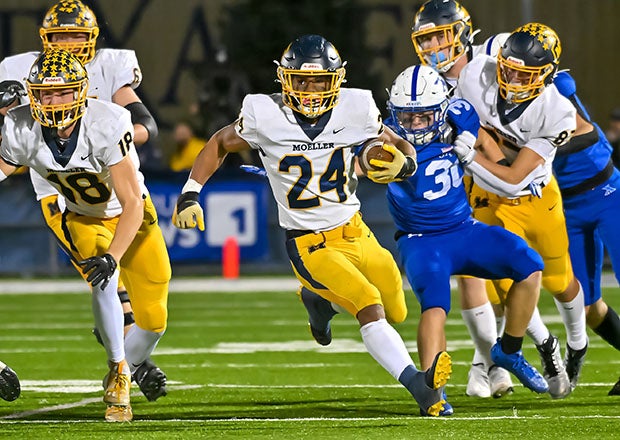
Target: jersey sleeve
{"x":123,"y":136}
{"x":374,"y":123}
{"x":557,"y":125}
{"x":246,"y":124}
{"x":491,"y":45}
{"x":126,"y":70}
{"x":8,"y":148}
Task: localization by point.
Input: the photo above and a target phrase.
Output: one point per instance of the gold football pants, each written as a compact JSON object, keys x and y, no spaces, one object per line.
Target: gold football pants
{"x":144,"y":269}
{"x":540,"y":221}
{"x":349,"y":267}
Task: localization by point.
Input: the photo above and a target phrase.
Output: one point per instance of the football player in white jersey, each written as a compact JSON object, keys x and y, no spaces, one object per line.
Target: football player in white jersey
{"x":442,"y":37}
{"x":113,"y":76}
{"x":9,"y":383}
{"x":305,"y":136}
{"x":523,"y":112}
{"x":84,"y":148}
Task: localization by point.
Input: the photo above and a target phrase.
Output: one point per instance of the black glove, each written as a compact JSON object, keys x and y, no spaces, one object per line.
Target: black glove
{"x":10,"y":91}
{"x":101,"y":269}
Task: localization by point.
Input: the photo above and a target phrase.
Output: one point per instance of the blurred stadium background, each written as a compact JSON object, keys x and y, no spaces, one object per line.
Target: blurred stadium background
{"x":208,"y":54}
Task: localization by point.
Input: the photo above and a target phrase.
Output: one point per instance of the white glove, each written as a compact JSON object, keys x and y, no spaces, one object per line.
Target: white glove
{"x":535,"y":189}
{"x":464,"y":147}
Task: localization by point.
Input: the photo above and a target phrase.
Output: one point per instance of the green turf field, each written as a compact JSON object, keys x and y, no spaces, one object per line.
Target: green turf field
{"x":243,"y":365}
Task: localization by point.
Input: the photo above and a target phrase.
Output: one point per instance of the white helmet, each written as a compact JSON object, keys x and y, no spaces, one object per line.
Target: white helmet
{"x":418,"y":89}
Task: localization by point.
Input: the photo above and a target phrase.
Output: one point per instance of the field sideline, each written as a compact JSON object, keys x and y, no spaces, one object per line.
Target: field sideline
{"x":241,"y":364}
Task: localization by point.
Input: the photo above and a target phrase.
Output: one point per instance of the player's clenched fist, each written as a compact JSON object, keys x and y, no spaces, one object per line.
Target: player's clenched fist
{"x":188,"y":213}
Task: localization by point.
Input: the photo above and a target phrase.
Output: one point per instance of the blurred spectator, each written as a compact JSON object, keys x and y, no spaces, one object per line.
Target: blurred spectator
{"x":613,"y":135}
{"x":188,"y":145}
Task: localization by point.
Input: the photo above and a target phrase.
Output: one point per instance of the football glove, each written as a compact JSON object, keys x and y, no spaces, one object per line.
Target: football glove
{"x":10,"y":91}
{"x":464,"y":147}
{"x":400,"y":168}
{"x":188,"y":213}
{"x":462,"y":117}
{"x":535,"y":189}
{"x":99,"y":269}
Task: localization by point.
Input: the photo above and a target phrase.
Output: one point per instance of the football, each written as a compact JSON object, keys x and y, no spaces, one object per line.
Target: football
{"x":373,"y":149}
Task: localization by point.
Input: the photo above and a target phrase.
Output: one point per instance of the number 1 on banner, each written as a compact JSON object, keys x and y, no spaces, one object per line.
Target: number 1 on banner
{"x":231,"y":214}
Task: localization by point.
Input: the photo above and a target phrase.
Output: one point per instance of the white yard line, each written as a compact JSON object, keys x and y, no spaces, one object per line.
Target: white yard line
{"x":197,"y":284}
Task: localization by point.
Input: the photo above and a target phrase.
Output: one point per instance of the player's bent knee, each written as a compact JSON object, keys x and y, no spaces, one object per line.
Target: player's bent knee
{"x":396,"y":315}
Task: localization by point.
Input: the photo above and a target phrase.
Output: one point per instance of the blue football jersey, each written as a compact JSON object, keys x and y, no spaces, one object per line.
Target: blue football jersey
{"x":433,"y":199}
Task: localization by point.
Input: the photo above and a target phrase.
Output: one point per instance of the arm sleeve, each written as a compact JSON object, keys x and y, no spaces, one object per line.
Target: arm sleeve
{"x":488,"y":181}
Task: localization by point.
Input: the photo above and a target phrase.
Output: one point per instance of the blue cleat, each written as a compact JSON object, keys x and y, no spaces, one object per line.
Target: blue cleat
{"x":517,"y":365}
{"x":320,"y":313}
{"x":426,"y":387}
{"x":9,"y":383}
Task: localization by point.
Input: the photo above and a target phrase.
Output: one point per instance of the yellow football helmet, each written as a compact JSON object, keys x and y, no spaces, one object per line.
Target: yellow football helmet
{"x":71,"y":16}
{"x":527,"y":62}
{"x":451,"y":24}
{"x":310,"y":59}
{"x":53,"y":70}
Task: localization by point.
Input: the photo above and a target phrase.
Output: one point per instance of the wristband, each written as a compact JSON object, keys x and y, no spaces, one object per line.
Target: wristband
{"x":191,"y":186}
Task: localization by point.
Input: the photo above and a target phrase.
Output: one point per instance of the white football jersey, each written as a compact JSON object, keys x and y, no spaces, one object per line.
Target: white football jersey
{"x":80,"y":172}
{"x":310,"y":168}
{"x":542,"y":124}
{"x":490,"y":47}
{"x":108,"y":71}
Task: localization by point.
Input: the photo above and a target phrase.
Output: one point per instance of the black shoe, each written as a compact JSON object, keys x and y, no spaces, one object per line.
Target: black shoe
{"x":151,"y":380}
{"x":323,"y":337}
{"x":320,"y":313}
{"x":615,"y":391}
{"x":574,"y":360}
{"x":9,"y":383}
{"x":554,"y":371}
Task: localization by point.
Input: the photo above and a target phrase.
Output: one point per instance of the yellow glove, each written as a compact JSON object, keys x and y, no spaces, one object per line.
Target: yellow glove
{"x":399,"y":169}
{"x":188,"y":213}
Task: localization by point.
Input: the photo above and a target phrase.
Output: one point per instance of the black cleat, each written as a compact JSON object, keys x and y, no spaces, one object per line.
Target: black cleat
{"x":323,"y":337}
{"x":574,"y":360}
{"x":320,"y":313}
{"x":615,"y":391}
{"x":151,"y":380}
{"x":9,"y":383}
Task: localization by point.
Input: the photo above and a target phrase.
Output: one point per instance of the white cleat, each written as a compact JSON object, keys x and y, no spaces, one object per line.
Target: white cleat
{"x":478,"y":382}
{"x":553,"y":368}
{"x":500,"y":382}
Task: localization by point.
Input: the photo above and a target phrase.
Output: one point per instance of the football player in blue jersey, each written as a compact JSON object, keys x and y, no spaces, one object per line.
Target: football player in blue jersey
{"x":443,"y":39}
{"x":436,"y":234}
{"x":589,"y":184}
